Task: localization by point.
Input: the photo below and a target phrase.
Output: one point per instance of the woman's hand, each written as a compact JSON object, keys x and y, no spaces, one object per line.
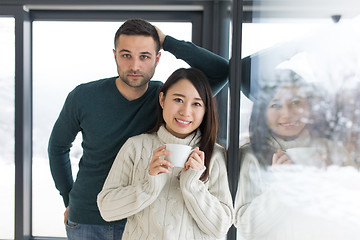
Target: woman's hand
{"x":158,"y":163}
{"x":195,"y":160}
{"x":280,"y":157}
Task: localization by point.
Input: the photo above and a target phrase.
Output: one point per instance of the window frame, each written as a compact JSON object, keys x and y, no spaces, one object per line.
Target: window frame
{"x":205,"y":33}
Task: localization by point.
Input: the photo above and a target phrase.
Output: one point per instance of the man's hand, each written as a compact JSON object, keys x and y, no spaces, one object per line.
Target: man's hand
{"x":161,"y":36}
{"x":66,"y":215}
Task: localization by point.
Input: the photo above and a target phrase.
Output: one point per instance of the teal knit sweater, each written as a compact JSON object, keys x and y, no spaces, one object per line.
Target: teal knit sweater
{"x":106,"y":120}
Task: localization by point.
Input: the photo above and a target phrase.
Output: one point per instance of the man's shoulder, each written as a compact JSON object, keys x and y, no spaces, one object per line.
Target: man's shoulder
{"x":97,"y":83}
{"x":93,"y":86}
{"x":153,"y":88}
{"x":155,"y":84}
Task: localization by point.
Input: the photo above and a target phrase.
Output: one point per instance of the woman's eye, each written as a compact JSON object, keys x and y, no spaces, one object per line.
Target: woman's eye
{"x":296,"y":101}
{"x":197,"y":104}
{"x":178,"y":100}
{"x":275,"y":105}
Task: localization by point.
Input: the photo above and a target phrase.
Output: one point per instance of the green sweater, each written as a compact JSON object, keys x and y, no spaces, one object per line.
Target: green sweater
{"x":106,"y":120}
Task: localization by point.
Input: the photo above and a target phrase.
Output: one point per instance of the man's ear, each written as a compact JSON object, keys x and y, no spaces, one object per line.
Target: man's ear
{"x":158,"y":58}
{"x":114,"y":52}
{"x":161,"y":99}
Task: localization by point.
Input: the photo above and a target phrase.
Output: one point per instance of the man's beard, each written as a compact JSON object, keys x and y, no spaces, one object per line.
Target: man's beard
{"x":144,"y":80}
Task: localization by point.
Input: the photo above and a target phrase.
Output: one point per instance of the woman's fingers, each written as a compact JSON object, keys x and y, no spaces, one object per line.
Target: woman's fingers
{"x":158,"y":163}
{"x":196,"y":160}
{"x":280,"y":157}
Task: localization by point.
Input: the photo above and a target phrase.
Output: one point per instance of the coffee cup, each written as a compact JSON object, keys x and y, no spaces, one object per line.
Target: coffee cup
{"x":179,"y":153}
{"x":308,"y":156}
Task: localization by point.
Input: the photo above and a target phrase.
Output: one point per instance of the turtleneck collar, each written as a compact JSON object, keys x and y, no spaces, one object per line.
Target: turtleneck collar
{"x":192,"y":140}
{"x":303,"y":140}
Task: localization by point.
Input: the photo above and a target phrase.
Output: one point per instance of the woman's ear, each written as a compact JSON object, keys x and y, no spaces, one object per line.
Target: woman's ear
{"x":161,"y":99}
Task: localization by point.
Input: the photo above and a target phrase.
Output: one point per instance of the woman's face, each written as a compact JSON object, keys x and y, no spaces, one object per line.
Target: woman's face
{"x":288,"y":112}
{"x":183,"y":109}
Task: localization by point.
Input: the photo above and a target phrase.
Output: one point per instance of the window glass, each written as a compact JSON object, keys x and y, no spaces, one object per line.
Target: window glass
{"x":66,"y":54}
{"x":260,"y":36}
{"x":300,"y":145}
{"x":7,"y":113}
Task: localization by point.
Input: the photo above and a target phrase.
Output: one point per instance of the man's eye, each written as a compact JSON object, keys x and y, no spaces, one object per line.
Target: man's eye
{"x":126,"y":56}
{"x":144,"y":57}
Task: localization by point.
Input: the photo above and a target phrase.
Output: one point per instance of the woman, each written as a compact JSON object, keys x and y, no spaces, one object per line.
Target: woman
{"x":162,"y":202}
{"x":271,"y":200}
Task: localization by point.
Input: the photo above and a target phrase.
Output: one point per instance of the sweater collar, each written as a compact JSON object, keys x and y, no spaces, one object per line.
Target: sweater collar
{"x":303,"y":140}
{"x":192,"y":140}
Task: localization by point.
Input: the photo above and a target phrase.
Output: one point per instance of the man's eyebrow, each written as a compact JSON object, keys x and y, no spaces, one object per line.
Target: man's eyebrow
{"x":146,"y":53}
{"x":142,"y":53}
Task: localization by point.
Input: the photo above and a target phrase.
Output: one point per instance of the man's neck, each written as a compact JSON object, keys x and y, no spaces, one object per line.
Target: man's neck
{"x":130,"y":93}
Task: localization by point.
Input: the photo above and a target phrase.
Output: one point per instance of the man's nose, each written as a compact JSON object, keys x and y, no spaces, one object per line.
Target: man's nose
{"x":135,"y":64}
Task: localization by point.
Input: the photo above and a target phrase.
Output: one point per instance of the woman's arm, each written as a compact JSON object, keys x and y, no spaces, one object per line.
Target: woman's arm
{"x":257,"y":209}
{"x":123,"y":195}
{"x":209,"y":204}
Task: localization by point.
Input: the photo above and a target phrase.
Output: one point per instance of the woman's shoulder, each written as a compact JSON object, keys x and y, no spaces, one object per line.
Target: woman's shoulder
{"x":219,"y":148}
{"x":218,"y":155}
{"x":245,"y":149}
{"x":142,"y":139}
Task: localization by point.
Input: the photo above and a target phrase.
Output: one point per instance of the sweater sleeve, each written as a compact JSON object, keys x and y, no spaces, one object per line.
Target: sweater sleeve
{"x":257,"y":207}
{"x":215,"y":67}
{"x":63,"y":134}
{"x":122,"y":195}
{"x":211,"y":206}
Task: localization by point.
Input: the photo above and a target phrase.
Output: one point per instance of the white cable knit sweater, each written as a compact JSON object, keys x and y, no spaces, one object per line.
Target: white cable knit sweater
{"x":166,"y":206}
{"x":283,"y":204}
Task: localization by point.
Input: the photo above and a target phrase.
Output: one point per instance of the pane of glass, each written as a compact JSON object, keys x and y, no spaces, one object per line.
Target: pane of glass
{"x":7,"y":141}
{"x":65,"y":55}
{"x":299,"y":176}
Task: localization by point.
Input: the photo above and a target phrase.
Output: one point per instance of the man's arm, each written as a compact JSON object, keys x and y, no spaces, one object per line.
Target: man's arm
{"x":215,"y":67}
{"x":63,"y":134}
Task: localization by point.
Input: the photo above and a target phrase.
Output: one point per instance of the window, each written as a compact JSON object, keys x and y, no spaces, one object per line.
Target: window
{"x":299,"y":176}
{"x":66,"y":54}
{"x":7,"y":141}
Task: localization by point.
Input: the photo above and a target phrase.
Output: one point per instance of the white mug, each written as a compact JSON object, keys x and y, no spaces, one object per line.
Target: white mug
{"x":179,"y":153}
{"x":308,"y":156}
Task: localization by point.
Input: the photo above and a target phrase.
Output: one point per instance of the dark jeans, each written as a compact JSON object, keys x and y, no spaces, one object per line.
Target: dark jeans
{"x":77,"y":231}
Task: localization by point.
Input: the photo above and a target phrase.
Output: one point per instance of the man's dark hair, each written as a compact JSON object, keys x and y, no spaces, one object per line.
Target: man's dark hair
{"x":138,"y":26}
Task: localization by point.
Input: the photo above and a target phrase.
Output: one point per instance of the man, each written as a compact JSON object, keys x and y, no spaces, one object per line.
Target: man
{"x":108,"y":112}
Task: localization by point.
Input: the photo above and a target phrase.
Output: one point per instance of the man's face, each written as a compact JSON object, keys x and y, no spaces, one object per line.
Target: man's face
{"x":136,"y":59}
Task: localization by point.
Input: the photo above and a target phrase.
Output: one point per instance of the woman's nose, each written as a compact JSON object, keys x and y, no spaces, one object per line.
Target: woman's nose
{"x":185,"y":110}
{"x":285,"y":111}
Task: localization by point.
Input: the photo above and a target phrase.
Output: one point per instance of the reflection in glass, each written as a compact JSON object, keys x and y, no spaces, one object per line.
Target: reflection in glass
{"x":7,"y":141}
{"x":67,"y":54}
{"x":299,"y":176}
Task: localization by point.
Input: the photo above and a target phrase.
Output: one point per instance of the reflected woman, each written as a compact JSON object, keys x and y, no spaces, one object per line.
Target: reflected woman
{"x":283,"y":135}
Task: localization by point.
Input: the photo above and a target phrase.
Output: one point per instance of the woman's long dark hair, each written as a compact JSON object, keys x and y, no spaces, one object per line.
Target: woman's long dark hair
{"x":258,"y":128}
{"x":209,"y":124}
